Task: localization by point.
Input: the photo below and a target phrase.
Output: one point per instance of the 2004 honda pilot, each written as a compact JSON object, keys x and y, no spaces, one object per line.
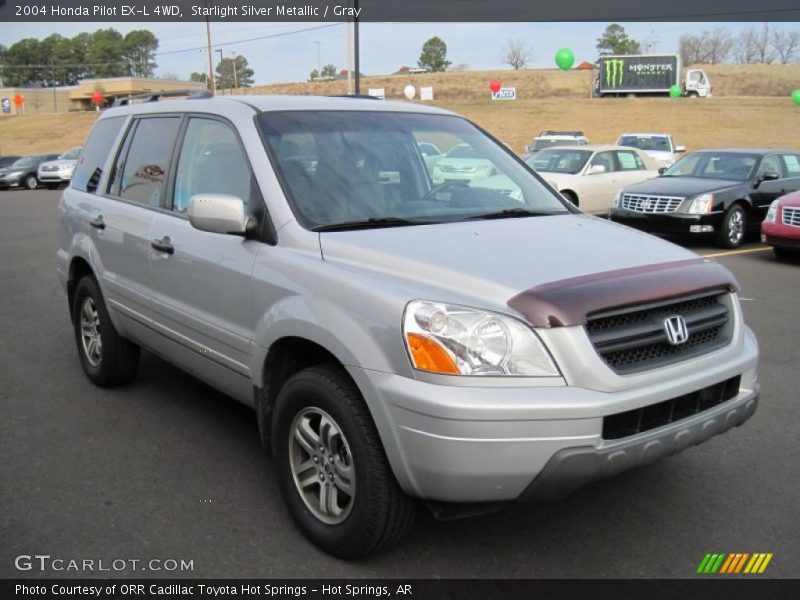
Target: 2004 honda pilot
{"x":398,"y":340}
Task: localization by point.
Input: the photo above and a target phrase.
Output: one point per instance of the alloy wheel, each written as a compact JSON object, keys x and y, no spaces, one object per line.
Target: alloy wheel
{"x":90,"y":332}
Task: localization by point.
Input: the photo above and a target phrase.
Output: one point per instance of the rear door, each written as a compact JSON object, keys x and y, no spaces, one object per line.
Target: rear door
{"x":202,"y":280}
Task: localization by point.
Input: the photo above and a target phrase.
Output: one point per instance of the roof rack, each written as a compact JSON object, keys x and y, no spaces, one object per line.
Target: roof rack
{"x":356,"y":96}
{"x":552,"y":132}
{"x":156,"y":96}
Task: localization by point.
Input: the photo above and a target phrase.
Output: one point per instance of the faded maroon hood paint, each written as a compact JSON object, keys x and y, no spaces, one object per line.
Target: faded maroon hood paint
{"x":568,"y":302}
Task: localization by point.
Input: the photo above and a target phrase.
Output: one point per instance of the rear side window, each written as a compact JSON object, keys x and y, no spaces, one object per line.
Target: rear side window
{"x":629,"y":161}
{"x":95,"y":152}
{"x":142,"y":170}
{"x":792,"y":162}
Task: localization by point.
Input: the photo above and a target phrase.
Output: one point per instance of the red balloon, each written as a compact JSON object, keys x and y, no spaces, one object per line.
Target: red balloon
{"x":495,"y":85}
{"x":19,"y":100}
{"x":97,"y":97}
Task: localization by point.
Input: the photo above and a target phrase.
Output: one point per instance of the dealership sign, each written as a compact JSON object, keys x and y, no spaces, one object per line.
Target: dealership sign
{"x":6,"y":104}
{"x":506,"y":93}
{"x":378,"y":93}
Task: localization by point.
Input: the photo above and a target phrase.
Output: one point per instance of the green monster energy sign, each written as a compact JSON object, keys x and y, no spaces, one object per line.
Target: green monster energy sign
{"x":639,"y":72}
{"x":614,"y":72}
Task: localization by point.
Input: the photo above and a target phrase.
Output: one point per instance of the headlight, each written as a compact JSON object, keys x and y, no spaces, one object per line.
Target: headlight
{"x":617,"y":199}
{"x":701,"y":204}
{"x":772,"y":213}
{"x":455,"y":340}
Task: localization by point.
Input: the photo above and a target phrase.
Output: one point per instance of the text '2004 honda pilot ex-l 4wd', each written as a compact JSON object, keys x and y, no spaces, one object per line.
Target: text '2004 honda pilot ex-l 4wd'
{"x":399,"y":340}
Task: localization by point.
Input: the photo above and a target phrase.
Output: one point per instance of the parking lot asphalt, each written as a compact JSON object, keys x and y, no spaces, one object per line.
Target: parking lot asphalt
{"x":169,"y":468}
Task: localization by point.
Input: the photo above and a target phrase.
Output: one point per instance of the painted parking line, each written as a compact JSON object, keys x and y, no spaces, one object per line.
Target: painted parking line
{"x":732,"y":252}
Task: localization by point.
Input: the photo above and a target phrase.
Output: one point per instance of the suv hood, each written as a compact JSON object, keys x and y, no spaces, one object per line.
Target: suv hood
{"x":681,"y":186}
{"x":488,"y":262}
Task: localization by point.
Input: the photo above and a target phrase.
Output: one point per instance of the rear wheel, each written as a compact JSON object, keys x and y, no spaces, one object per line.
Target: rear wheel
{"x":332,"y":469}
{"x":107,"y":358}
{"x":734,"y":226}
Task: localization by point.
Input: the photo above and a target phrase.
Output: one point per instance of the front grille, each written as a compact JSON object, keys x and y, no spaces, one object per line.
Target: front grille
{"x":791,"y":216}
{"x":50,"y":168}
{"x":650,"y":204}
{"x":650,"y":417}
{"x":635,"y":338}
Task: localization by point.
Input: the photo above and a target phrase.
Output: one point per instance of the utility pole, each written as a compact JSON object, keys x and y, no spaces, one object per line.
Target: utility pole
{"x":235,"y":68}
{"x":357,"y":50}
{"x":319,"y":60}
{"x":211,"y":77}
{"x":220,"y":69}
{"x":349,"y":58}
{"x":53,"y":77}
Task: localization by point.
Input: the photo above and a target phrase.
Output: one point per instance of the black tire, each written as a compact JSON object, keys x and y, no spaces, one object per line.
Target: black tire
{"x":118,"y":358}
{"x":571,"y":197}
{"x":52,"y":186}
{"x":31,"y":183}
{"x":379,"y":513}
{"x":733,"y":228}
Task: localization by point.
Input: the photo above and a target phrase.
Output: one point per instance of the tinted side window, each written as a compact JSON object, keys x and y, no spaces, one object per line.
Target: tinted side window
{"x":211,"y":161}
{"x":792,"y":162}
{"x":95,"y":152}
{"x":144,"y":168}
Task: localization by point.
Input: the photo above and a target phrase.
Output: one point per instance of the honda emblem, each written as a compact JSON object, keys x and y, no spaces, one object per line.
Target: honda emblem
{"x":676,"y":330}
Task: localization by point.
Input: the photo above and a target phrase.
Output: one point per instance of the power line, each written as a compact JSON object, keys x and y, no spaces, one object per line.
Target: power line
{"x":255,"y":39}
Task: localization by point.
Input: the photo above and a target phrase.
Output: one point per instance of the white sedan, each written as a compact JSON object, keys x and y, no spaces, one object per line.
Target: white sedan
{"x":588,"y":176}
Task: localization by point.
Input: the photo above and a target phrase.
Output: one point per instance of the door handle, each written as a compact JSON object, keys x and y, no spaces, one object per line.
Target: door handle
{"x":163,"y":245}
{"x":98,"y":222}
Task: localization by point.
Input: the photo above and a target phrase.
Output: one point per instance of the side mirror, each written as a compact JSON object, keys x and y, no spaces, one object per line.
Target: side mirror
{"x":219,"y":213}
{"x":768,"y":176}
{"x":662,"y":170}
{"x":680,"y":149}
{"x":596,"y":170}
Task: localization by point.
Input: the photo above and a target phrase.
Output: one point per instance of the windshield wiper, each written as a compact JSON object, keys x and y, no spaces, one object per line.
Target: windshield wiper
{"x":372,"y":223}
{"x":510,"y":213}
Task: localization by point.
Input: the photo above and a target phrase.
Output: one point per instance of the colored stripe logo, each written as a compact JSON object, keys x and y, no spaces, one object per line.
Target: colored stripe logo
{"x":734,"y":563}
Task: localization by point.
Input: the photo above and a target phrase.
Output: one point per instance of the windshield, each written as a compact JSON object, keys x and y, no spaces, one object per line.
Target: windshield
{"x":714,"y":165}
{"x":559,"y":161}
{"x":25,"y":161}
{"x":365,"y":168}
{"x":71,"y":154}
{"x":545,"y":143}
{"x":657,"y":143}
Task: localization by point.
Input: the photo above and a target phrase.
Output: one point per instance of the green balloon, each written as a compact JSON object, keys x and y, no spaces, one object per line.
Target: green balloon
{"x":675,"y":91}
{"x":796,"y":96}
{"x":565,"y":58}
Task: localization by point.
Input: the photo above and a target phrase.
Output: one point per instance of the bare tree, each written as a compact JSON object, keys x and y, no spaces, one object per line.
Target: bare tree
{"x":517,"y":54}
{"x":786,"y":46}
{"x":754,"y":46}
{"x":459,"y":68}
{"x":711,"y":47}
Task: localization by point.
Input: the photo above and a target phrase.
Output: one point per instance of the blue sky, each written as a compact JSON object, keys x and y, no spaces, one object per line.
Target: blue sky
{"x":384,"y":46}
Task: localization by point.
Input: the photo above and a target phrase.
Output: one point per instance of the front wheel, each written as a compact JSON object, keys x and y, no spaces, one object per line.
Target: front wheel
{"x":733,"y":228}
{"x":31,"y":182}
{"x":784,"y":252}
{"x":332,"y":470}
{"x":107,"y":358}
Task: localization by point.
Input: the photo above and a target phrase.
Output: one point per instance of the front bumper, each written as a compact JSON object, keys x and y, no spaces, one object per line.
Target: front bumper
{"x":667,"y":223}
{"x":778,"y":234}
{"x":55,"y":176}
{"x":471,"y":443}
{"x":10,"y":182}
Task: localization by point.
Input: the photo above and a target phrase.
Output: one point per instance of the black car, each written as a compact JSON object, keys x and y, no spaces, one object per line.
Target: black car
{"x":720,"y":192}
{"x":7,"y":161}
{"x":23,"y":172}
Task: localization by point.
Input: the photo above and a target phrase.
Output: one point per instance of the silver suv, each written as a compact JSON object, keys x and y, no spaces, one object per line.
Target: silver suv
{"x":398,"y":340}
